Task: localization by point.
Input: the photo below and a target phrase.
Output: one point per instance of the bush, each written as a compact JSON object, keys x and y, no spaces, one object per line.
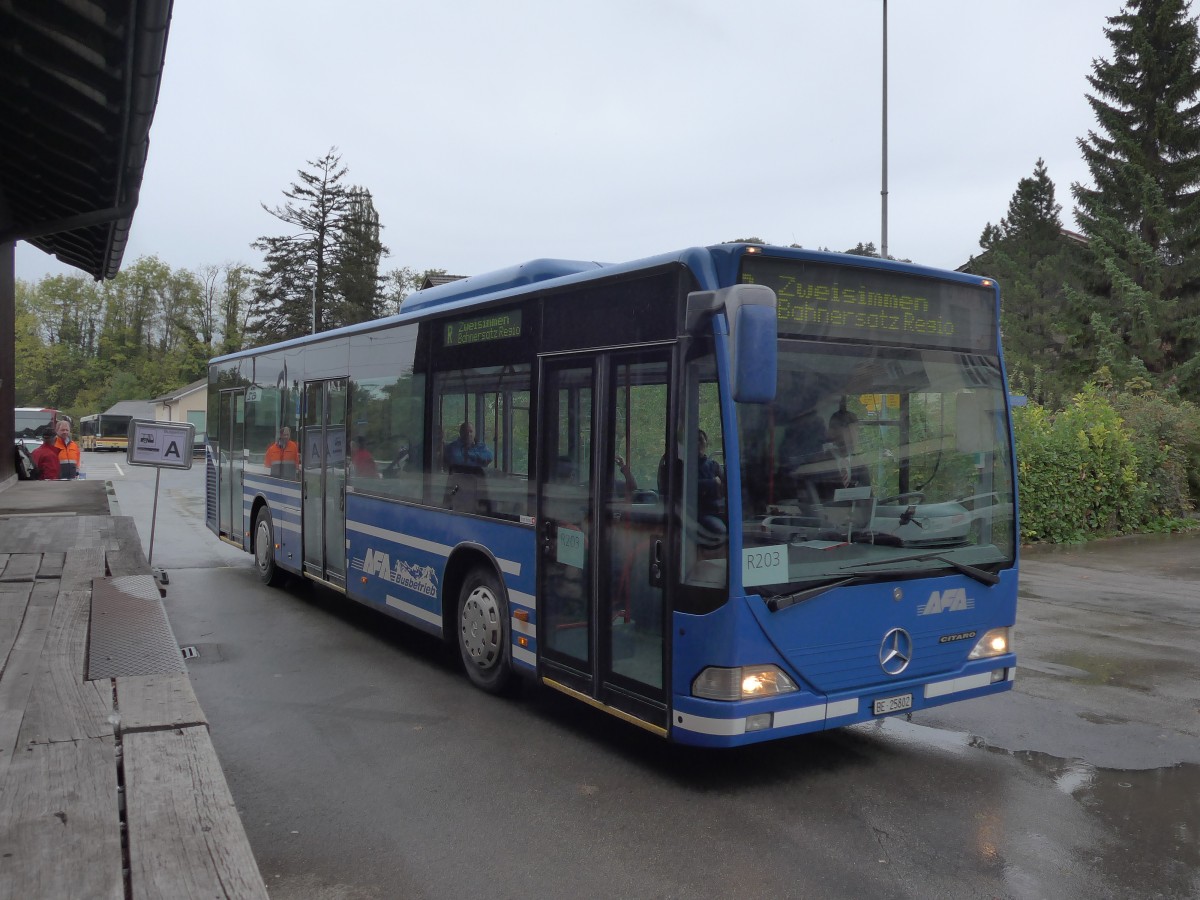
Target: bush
{"x":1105,"y":465}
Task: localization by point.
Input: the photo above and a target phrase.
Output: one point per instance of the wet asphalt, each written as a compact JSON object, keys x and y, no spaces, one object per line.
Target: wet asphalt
{"x":365,"y":766}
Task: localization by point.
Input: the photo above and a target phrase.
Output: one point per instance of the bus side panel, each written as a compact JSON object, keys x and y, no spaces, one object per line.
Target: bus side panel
{"x":283,"y":500}
{"x":397,"y":556}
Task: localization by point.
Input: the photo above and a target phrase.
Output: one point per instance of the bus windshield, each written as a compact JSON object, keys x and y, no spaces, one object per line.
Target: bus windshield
{"x":871,"y":454}
{"x":31,"y":422}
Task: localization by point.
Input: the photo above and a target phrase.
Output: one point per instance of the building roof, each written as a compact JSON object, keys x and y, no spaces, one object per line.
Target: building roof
{"x":434,"y":280}
{"x":179,"y":393}
{"x":79,"y":82}
{"x":138,"y":409}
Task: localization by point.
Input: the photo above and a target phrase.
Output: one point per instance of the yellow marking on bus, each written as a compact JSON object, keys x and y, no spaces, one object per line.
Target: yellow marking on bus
{"x":611,"y":710}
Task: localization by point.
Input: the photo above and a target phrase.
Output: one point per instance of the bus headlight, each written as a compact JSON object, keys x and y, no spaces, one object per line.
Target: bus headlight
{"x":741,"y":683}
{"x":996,"y":642}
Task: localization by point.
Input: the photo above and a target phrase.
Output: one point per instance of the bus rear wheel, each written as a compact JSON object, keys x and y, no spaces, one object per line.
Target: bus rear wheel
{"x":483,"y":632}
{"x":264,"y":550}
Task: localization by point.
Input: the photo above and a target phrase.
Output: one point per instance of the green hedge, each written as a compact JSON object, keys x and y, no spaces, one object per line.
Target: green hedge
{"x":1107,"y":464}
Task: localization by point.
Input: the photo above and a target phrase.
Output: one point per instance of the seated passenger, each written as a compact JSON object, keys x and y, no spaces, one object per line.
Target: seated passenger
{"x":363,"y":461}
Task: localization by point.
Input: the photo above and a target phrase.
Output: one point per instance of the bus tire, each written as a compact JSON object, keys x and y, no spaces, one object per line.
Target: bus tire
{"x":264,"y":550}
{"x":483,"y":632}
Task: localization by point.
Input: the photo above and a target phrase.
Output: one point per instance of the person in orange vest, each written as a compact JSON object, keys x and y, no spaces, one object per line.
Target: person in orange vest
{"x":68,"y":451}
{"x":283,"y":450}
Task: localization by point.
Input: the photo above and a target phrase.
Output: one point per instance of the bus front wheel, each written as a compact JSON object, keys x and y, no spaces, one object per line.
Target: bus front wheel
{"x":483,"y":632}
{"x":264,"y":550}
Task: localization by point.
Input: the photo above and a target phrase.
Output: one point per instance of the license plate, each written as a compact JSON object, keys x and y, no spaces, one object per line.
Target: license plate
{"x":892,"y":704}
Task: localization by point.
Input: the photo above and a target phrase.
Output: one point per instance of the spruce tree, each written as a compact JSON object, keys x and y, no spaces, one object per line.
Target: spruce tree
{"x":1142,"y":216}
{"x":298,"y":264}
{"x":356,"y":279}
{"x":1034,"y":260}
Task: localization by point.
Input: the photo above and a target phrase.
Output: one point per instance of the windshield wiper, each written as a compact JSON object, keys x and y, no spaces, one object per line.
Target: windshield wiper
{"x":783,"y":601}
{"x":981,"y":575}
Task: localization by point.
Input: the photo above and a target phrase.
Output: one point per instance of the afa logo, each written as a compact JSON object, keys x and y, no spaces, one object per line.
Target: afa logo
{"x":377,"y":563}
{"x":422,"y":579}
{"x":952,"y":600}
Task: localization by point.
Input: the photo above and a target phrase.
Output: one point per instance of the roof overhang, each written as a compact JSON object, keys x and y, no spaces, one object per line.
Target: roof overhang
{"x":79,"y":82}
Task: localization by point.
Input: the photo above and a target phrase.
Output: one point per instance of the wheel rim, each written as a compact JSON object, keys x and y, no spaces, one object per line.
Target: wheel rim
{"x":262,"y":546}
{"x":481,"y":627}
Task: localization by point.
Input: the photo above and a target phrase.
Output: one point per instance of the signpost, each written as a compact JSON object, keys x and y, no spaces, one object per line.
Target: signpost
{"x":164,"y":445}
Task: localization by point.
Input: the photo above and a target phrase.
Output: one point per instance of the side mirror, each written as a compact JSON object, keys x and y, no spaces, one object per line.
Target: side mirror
{"x":750,"y":310}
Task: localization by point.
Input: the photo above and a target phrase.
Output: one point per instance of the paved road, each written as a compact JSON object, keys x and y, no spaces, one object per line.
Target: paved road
{"x":365,"y":766}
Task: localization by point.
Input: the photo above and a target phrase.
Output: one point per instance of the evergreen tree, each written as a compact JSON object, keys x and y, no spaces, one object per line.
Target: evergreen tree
{"x":1035,"y":262}
{"x":298,"y":268}
{"x":1143,"y":214}
{"x":357,"y":281}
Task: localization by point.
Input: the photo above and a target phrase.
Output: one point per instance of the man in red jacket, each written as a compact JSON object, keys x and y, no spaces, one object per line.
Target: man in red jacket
{"x":45,"y":458}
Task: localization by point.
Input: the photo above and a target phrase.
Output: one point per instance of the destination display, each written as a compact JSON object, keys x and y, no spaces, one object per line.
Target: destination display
{"x":825,"y":301}
{"x":494,"y":327}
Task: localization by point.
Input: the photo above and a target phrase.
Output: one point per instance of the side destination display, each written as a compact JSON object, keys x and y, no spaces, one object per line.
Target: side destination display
{"x":826,"y":301}
{"x":494,"y":327}
{"x":162,"y":444}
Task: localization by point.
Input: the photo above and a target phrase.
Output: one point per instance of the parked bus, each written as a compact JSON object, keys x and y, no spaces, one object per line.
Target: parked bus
{"x":104,"y":431}
{"x":713,"y":493}
{"x":32,"y":420}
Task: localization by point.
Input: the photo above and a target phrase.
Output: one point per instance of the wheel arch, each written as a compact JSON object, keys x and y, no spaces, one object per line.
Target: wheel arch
{"x":462,"y":560}
{"x":259,"y":502}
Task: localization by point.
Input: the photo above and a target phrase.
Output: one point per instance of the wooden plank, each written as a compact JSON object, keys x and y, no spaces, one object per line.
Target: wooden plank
{"x":18,"y":678}
{"x":4,"y":528}
{"x":80,"y":566}
{"x":14,"y":598}
{"x":147,"y":702}
{"x":185,"y":836}
{"x":22,"y":567}
{"x":62,"y":706}
{"x":124,"y":554}
{"x":52,"y":565}
{"x":60,"y":827}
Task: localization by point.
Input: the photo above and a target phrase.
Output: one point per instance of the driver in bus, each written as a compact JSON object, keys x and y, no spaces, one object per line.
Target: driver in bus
{"x":842,"y":436}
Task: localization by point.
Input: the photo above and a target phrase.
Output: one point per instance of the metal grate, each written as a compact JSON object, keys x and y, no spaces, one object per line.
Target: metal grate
{"x":130,"y":633}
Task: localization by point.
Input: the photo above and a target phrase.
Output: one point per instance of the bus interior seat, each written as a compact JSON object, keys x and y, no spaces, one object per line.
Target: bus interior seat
{"x":466,"y":490}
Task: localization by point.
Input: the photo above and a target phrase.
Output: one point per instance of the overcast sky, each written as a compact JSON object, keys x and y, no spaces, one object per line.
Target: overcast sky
{"x":491,"y":132}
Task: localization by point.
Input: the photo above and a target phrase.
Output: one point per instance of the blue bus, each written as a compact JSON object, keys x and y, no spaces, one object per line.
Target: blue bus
{"x":728,"y":494}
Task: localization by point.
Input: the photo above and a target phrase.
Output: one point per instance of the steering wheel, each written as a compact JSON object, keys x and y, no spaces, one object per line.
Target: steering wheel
{"x":903,"y":499}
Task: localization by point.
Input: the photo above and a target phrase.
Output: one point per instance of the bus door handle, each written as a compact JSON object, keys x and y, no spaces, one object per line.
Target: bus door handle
{"x":656,"y":564}
{"x":547,"y":537}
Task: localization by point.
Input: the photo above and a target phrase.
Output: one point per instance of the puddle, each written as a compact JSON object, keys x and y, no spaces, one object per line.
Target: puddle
{"x":1152,"y":818}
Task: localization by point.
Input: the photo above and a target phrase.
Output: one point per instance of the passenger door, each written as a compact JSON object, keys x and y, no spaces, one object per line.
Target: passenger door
{"x":323,"y":463}
{"x":231,"y":451}
{"x":602,"y":535}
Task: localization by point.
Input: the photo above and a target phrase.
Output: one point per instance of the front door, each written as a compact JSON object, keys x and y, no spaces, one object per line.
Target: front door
{"x":231,"y":449}
{"x":323,"y":462}
{"x":602,"y":528}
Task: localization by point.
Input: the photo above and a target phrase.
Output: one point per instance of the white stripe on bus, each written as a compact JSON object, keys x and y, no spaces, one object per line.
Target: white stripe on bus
{"x":413,"y":610}
{"x":507,"y":566}
{"x":955,"y":685}
{"x":783,"y":718}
